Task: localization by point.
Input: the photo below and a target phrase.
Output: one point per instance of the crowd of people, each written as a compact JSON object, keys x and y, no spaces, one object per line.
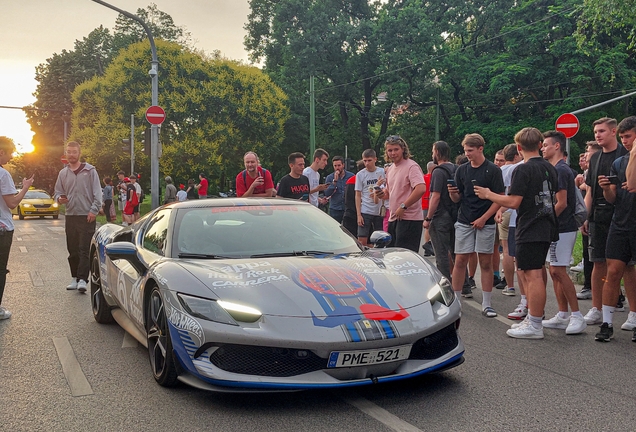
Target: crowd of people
{"x":528,"y":204}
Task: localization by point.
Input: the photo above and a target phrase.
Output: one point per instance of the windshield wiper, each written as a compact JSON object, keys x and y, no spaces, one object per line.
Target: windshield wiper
{"x":200,"y":255}
{"x":289,"y":254}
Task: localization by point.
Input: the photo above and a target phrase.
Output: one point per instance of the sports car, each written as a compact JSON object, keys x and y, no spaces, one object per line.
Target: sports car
{"x":246,"y":294}
{"x":37,"y":202}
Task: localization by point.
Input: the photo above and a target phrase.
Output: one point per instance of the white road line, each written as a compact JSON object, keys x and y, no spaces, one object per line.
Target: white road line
{"x":36,"y":280}
{"x":129,"y":341}
{"x":27,"y":230}
{"x":380,"y":414}
{"x":474,"y":304}
{"x":57,"y":228}
{"x":23,"y":249}
{"x":19,"y":238}
{"x":72,"y":370}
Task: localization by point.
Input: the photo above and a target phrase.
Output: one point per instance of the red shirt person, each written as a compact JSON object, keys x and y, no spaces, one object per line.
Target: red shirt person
{"x":202,"y":187}
{"x":254,"y":180}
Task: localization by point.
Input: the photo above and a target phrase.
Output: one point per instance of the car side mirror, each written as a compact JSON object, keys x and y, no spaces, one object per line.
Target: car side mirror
{"x":126,"y":251}
{"x":380,"y":239}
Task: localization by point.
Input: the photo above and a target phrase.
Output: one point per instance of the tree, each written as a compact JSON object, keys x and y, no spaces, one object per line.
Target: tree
{"x":216,"y":111}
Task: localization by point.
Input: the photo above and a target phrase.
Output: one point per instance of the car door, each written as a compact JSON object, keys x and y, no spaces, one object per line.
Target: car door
{"x":150,"y":248}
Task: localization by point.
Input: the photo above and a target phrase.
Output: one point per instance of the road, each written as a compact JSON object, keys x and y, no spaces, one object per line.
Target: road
{"x":559,"y":383}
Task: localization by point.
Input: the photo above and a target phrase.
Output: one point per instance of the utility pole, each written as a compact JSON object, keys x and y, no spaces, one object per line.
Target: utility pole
{"x":132,"y":143}
{"x":154,"y":134}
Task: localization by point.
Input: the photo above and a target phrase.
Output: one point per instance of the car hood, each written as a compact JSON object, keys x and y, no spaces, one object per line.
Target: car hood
{"x":37,"y":201}
{"x":377,"y":281}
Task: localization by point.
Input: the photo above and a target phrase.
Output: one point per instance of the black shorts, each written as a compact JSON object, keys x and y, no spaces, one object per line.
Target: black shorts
{"x":512,"y":244}
{"x":621,"y":245}
{"x":598,"y":241}
{"x":136,"y":209}
{"x":531,"y":256}
{"x":371,"y":223}
{"x":406,"y":234}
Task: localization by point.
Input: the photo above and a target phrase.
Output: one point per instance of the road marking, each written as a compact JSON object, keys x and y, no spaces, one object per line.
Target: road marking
{"x":129,"y":341}
{"x":27,"y":230}
{"x":23,"y":249}
{"x":36,"y":280}
{"x":72,"y":370}
{"x":57,"y":228}
{"x":19,"y":238}
{"x":474,"y":304}
{"x":380,"y":414}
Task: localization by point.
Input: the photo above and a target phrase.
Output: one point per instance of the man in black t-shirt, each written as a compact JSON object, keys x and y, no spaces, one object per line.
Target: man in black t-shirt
{"x":599,"y":210}
{"x":532,"y":194}
{"x":560,"y":255}
{"x":621,"y":237}
{"x":294,"y":185}
{"x":475,"y":227}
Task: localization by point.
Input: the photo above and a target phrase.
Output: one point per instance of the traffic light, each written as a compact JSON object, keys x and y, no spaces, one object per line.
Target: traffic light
{"x":126,"y":145}
{"x":147,"y":141}
{"x":350,"y":165}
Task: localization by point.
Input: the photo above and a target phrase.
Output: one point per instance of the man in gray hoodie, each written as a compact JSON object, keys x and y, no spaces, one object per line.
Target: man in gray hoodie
{"x":78,"y":187}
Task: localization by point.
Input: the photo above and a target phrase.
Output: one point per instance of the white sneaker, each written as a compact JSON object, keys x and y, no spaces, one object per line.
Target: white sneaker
{"x":509,"y":291}
{"x":525,"y":330}
{"x":556,"y":322}
{"x":594,"y":316}
{"x":81,"y":286}
{"x":630,"y":324}
{"x":4,"y":314}
{"x":72,"y":285}
{"x":519,"y":313}
{"x":520,"y":323}
{"x":577,"y":268}
{"x":576,"y":326}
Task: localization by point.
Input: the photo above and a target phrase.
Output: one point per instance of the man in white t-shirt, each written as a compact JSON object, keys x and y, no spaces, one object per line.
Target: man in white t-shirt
{"x":367,"y":206}
{"x":181,"y":194}
{"x":11,"y":199}
{"x":321,"y":158}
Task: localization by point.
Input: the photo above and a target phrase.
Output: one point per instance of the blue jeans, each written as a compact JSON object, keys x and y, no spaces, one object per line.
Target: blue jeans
{"x":336,"y":214}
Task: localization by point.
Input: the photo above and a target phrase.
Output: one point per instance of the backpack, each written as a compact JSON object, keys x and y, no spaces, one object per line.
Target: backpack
{"x":451,"y":207}
{"x":580,"y":211}
{"x":135,"y":200}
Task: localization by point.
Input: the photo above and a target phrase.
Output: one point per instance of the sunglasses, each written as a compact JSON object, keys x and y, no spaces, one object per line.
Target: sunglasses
{"x":394,"y":138}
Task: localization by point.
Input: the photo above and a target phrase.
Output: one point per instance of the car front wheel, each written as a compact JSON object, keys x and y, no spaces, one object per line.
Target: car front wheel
{"x":101,"y":311}
{"x":20,"y":215}
{"x":162,"y":360}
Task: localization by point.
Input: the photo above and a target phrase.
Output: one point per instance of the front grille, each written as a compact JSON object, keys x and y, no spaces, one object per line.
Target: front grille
{"x":41,"y":206}
{"x":435,"y":345}
{"x":266,"y":361}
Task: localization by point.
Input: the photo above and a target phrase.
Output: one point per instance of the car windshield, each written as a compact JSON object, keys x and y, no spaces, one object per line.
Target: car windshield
{"x":245,"y":231}
{"x":36,"y":195}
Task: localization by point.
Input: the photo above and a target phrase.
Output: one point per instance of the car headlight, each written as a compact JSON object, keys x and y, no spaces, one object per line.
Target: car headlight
{"x":218,"y":311}
{"x":55,"y":205}
{"x":442,"y":292}
{"x":27,"y":205}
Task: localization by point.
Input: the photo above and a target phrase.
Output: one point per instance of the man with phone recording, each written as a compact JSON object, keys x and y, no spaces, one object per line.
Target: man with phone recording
{"x":337,"y":182}
{"x":78,"y":187}
{"x":254,"y":180}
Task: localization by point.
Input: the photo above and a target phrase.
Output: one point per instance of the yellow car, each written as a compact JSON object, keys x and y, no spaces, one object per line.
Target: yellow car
{"x":37,"y":202}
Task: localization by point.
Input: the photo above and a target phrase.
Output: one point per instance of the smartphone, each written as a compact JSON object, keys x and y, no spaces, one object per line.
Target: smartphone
{"x":474,"y":182}
{"x":377,"y":188}
{"x":63,"y":196}
{"x":613,"y":180}
{"x":451,"y":182}
{"x":305,"y":197}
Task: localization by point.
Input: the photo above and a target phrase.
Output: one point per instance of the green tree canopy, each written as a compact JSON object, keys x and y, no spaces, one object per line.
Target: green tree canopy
{"x":216,"y":111}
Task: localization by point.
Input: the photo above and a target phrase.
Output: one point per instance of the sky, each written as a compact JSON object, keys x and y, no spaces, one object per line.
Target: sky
{"x":33,"y":30}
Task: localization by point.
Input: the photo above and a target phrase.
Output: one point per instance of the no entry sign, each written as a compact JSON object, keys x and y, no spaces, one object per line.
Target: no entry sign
{"x":568,"y":124}
{"x":64,"y":160}
{"x":155,"y":115}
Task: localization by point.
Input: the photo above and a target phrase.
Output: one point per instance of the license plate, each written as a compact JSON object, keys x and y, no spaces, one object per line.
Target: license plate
{"x":368,"y":357}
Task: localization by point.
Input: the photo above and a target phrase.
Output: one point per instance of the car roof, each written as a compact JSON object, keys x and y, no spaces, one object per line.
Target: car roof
{"x":234,"y":202}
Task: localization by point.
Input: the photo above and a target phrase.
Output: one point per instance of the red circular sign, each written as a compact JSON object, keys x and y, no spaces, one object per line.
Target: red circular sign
{"x":568,"y":124}
{"x":64,"y":160}
{"x":155,"y":115}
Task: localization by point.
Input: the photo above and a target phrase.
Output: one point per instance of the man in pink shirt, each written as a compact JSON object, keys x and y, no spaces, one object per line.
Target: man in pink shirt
{"x":404,"y":189}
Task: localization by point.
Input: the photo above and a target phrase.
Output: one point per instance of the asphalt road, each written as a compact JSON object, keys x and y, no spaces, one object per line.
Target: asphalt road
{"x":559,"y":383}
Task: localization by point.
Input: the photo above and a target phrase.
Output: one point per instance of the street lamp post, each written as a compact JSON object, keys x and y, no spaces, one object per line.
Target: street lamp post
{"x":154,"y":134}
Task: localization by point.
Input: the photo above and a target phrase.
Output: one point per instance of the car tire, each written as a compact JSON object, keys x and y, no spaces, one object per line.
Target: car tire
{"x":56,"y":216}
{"x":162,"y":360}
{"x":41,"y":217}
{"x":101,"y":310}
{"x":20,"y":215}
